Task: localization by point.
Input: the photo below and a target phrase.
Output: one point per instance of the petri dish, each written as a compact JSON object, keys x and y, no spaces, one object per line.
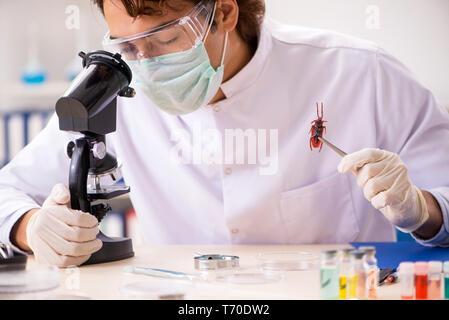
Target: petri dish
{"x":157,"y":290}
{"x":29,"y":281}
{"x":68,"y":296}
{"x":250,"y":277}
{"x":288,"y":261}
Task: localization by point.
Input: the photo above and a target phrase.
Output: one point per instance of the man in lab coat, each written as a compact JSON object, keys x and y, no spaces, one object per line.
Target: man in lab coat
{"x":206,"y":85}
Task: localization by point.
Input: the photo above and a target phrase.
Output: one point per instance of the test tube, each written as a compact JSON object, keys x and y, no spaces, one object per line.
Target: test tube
{"x":446,"y":279}
{"x":434,"y":285}
{"x":345,"y":263}
{"x":357,"y":278}
{"x":372,"y":271}
{"x":407,"y":280}
{"x":329,"y":275}
{"x":421,"y":280}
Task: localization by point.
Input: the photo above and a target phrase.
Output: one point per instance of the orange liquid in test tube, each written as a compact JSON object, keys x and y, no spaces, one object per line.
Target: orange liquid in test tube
{"x":434,"y":284}
{"x":434,"y":289}
{"x":421,"y":287}
{"x":361,"y":285}
{"x":372,"y":284}
{"x":421,"y":280}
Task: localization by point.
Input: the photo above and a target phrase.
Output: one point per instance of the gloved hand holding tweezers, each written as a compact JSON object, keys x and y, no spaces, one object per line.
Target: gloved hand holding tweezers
{"x":387,"y":185}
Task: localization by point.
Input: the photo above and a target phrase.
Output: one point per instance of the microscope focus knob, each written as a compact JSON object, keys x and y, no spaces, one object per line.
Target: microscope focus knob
{"x":100,"y":210}
{"x":99,"y":150}
{"x":70,"y":148}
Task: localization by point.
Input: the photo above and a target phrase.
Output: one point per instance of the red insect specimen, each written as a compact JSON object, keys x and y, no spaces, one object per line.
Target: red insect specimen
{"x":317,"y":129}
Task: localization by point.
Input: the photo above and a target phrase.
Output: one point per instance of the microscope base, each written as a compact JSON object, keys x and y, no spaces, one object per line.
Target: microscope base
{"x":113,"y":249}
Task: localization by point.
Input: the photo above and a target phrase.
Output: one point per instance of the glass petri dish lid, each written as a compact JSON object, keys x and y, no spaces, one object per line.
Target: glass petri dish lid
{"x":288,"y":261}
{"x":28,"y":281}
{"x":157,"y":290}
{"x":251,"y":277}
{"x":67,"y":296}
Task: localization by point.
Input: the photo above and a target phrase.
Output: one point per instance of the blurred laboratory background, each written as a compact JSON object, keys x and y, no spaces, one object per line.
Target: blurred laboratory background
{"x":41,"y":39}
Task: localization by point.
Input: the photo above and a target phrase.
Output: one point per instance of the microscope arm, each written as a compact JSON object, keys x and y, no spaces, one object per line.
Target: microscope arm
{"x":79,"y":168}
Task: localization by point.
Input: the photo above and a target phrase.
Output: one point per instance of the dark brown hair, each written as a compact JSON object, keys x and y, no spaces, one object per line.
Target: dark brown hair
{"x":251,"y":14}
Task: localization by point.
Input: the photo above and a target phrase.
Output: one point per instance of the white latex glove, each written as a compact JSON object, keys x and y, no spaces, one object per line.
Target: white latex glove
{"x":59,"y":235}
{"x":387,"y":185}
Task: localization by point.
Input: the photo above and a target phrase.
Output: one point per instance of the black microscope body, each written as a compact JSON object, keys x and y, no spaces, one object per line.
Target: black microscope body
{"x":89,"y":106}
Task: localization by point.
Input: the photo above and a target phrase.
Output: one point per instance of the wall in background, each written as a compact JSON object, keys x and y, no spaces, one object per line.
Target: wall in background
{"x":59,"y":39}
{"x":415,"y":31}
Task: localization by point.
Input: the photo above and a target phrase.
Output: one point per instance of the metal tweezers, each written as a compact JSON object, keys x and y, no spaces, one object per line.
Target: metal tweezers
{"x":6,"y":251}
{"x":340,"y":152}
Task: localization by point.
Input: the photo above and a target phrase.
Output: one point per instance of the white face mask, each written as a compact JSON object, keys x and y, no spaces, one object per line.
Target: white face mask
{"x":180,"y":83}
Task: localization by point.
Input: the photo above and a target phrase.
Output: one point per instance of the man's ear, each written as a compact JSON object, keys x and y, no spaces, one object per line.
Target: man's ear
{"x":227,"y":15}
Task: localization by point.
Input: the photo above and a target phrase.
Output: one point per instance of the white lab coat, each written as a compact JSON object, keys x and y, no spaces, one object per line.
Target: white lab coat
{"x":370,"y":100}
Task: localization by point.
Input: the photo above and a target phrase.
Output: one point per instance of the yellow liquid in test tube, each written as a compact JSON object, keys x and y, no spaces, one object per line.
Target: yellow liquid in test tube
{"x":343,"y":292}
{"x":352,"y":287}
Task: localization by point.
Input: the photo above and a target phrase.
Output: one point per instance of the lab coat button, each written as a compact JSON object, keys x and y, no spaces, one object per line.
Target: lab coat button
{"x":217,"y":109}
{"x":235,"y":231}
{"x":228,"y":171}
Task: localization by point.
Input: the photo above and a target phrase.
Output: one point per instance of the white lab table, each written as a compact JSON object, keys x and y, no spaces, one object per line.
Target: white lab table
{"x":103,"y":281}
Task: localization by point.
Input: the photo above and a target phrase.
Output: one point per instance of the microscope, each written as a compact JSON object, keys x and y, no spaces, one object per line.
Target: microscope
{"x":89,"y":107}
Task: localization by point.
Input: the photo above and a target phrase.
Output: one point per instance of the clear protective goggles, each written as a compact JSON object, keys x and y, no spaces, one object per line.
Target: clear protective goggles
{"x":179,"y":35}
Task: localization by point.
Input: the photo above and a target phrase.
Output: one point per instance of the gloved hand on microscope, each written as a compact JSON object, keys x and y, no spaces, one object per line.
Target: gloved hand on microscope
{"x":56,"y":234}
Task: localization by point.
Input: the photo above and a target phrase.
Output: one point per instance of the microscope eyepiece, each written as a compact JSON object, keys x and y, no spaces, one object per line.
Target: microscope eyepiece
{"x":89,"y":104}
{"x":107,"y":58}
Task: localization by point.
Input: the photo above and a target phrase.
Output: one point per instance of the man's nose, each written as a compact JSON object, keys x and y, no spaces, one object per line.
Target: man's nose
{"x":142,"y":55}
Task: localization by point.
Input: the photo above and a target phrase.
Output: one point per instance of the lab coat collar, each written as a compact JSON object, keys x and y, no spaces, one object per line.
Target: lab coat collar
{"x":249,"y":74}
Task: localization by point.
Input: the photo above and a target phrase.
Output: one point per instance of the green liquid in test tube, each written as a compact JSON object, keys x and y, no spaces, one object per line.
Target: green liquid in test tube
{"x":446,"y":279}
{"x":446,"y":287}
{"x":329,"y":280}
{"x":329,"y":283}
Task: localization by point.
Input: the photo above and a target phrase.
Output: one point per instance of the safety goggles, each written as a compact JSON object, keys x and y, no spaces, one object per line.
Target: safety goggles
{"x":179,"y":35}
